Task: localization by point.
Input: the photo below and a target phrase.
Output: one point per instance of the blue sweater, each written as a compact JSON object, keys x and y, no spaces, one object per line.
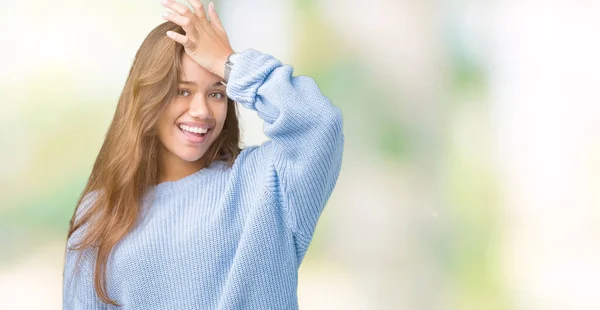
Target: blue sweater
{"x":229,"y":237}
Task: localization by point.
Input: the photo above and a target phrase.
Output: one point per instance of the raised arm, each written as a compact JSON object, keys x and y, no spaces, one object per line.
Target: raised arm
{"x":306,"y":137}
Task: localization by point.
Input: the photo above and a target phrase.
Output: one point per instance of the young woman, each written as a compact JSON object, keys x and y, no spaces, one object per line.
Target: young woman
{"x":175,"y":215}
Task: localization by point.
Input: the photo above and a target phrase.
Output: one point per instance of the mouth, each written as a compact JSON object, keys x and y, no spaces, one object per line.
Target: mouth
{"x":194,"y":134}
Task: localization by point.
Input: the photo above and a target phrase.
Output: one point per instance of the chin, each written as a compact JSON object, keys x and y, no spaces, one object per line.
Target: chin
{"x":190,"y":156}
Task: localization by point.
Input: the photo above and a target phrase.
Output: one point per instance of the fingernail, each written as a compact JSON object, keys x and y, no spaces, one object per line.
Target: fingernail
{"x":165,"y":14}
{"x":165,"y":1}
{"x":212,"y":5}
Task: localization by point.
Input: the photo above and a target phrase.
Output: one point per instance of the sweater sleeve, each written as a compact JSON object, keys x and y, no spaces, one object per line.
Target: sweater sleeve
{"x":78,"y":282}
{"x":305,"y":137}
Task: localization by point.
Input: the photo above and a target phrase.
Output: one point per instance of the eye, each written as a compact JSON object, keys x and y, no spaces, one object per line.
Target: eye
{"x":180,"y":92}
{"x":220,"y":95}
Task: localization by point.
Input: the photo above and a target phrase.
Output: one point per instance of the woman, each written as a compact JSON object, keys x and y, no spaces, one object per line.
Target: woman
{"x":174,"y":214}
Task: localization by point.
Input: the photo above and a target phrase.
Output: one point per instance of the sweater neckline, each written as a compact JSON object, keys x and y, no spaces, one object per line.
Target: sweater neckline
{"x":178,"y":185}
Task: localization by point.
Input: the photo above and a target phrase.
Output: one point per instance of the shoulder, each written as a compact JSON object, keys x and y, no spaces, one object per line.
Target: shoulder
{"x":86,"y":203}
{"x":82,"y":209}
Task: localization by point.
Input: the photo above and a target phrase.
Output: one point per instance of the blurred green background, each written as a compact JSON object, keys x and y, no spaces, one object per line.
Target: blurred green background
{"x":471,"y":163}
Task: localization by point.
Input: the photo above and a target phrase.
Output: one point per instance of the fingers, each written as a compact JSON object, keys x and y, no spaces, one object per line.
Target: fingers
{"x":177,"y":37}
{"x":199,"y":10}
{"x":182,"y":21}
{"x":214,"y":17}
{"x":183,"y":16}
{"x":177,"y":7}
{"x":195,"y":23}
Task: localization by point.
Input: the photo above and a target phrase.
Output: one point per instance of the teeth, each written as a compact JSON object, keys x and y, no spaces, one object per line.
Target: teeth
{"x":193,"y":129}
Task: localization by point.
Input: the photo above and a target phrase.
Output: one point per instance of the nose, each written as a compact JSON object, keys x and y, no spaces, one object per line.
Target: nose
{"x":199,"y":108}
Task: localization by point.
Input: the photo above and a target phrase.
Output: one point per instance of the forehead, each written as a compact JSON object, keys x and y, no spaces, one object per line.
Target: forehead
{"x":191,"y":71}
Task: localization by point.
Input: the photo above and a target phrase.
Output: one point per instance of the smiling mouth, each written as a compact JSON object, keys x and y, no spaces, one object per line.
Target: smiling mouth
{"x":194,"y":135}
{"x":194,"y":131}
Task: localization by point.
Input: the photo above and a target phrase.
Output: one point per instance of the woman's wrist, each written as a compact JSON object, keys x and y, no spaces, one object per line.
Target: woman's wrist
{"x":219,"y":68}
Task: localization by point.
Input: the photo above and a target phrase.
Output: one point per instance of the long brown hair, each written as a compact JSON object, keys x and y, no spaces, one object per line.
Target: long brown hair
{"x":128,"y":161}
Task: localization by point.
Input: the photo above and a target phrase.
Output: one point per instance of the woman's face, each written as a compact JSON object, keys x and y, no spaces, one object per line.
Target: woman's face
{"x":194,"y":118}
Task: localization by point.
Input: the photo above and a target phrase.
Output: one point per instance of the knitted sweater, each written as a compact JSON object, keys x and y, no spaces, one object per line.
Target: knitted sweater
{"x":229,"y":237}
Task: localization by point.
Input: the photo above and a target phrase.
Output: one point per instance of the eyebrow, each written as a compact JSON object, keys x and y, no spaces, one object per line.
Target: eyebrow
{"x":217,"y":83}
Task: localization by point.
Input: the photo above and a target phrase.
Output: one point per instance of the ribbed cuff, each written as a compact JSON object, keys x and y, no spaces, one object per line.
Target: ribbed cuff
{"x":247,"y":74}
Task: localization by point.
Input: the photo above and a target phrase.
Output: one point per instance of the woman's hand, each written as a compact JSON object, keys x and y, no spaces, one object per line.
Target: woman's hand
{"x":205,"y":41}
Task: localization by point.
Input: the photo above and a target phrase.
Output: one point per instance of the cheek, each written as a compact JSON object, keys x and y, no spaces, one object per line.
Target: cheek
{"x":166,"y":126}
{"x":221,"y":116}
